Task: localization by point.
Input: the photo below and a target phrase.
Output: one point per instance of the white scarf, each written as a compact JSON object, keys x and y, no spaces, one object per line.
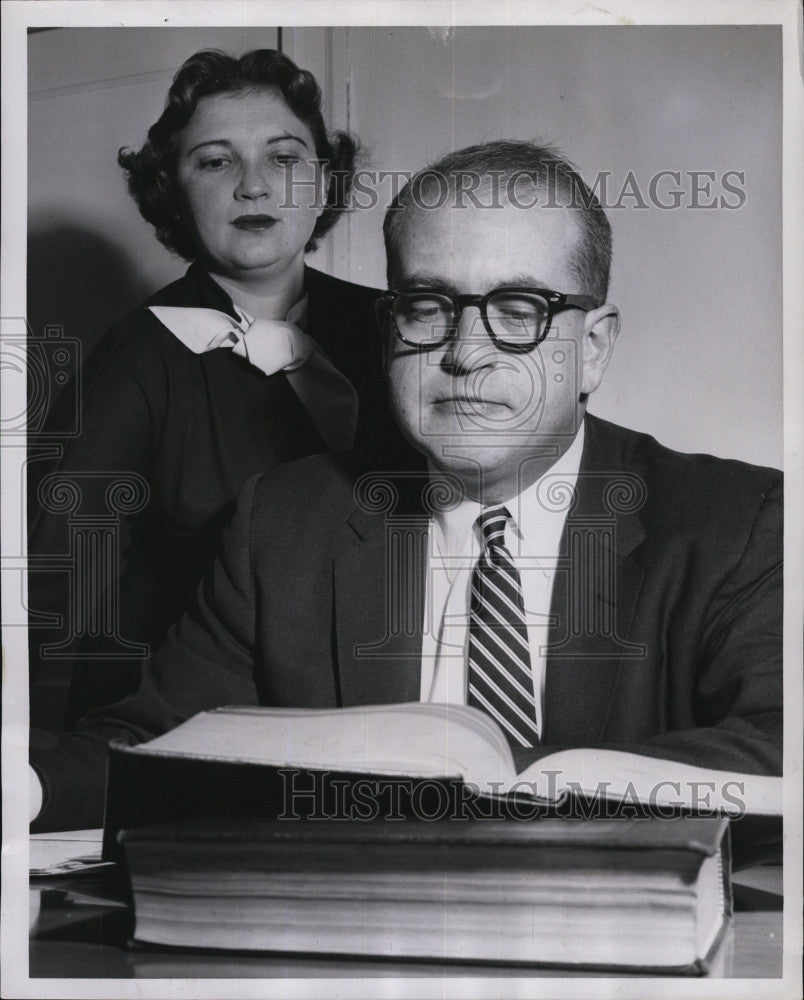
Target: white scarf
{"x":274,"y":345}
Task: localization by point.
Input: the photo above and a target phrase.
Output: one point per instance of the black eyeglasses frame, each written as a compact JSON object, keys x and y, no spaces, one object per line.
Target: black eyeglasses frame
{"x":556,"y":302}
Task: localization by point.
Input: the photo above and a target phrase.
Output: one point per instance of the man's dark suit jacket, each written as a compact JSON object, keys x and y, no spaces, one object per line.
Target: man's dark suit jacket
{"x":674,"y":653}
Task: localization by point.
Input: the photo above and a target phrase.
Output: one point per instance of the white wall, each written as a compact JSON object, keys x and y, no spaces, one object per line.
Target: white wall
{"x":699,"y":359}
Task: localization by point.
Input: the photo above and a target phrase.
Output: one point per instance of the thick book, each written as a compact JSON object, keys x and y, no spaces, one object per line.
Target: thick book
{"x":648,"y":895}
{"x":421,"y":759}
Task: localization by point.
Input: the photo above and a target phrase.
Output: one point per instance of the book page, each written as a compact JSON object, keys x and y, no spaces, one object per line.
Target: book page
{"x":615,"y":774}
{"x":412,"y":740}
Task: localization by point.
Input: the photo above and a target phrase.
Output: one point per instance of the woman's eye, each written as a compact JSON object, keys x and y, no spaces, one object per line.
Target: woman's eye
{"x":286,"y":159}
{"x":215,"y":163}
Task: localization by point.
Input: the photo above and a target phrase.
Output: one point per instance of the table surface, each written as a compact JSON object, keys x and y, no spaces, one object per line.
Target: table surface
{"x":78,"y":934}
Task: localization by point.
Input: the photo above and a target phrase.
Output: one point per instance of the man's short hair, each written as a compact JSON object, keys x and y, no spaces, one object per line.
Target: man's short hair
{"x":501,"y":163}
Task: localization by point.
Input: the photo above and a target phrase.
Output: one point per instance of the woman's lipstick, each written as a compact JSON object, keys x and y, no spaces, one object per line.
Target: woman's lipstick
{"x":254,"y":223}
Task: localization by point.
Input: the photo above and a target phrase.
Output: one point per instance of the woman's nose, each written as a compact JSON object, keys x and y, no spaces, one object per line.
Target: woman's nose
{"x":470,"y":347}
{"x":253,"y":182}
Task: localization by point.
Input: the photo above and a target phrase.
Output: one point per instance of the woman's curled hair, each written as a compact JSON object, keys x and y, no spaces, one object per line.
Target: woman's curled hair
{"x":151,"y":171}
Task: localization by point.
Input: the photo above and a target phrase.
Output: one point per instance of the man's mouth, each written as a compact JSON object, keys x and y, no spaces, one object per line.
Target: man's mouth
{"x":254,"y":223}
{"x":464,"y":401}
{"x":468,"y":404}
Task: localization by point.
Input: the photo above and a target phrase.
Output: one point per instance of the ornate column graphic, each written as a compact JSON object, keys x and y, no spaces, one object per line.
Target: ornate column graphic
{"x":587,"y":567}
{"x":406,"y":546}
{"x":93,"y":558}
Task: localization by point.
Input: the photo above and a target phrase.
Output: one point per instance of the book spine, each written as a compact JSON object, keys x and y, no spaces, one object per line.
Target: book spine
{"x":145,"y":789}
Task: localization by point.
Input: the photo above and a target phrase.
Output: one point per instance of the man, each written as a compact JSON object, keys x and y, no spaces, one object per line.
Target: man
{"x":580,"y":583}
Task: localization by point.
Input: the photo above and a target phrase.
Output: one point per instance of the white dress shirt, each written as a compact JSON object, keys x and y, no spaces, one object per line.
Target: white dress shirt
{"x":532,"y":536}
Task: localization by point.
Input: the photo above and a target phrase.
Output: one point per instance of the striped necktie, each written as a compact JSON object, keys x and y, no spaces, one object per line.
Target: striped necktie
{"x":500,"y":677}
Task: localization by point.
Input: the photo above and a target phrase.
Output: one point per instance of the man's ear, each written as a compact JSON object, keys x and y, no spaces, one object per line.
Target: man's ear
{"x":600,"y":330}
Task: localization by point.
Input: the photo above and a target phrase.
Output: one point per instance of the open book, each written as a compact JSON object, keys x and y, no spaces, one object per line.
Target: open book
{"x":219,"y":821}
{"x":231,"y":760}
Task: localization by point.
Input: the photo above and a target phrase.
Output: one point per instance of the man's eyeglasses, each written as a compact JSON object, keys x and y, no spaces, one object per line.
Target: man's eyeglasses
{"x":516,"y":319}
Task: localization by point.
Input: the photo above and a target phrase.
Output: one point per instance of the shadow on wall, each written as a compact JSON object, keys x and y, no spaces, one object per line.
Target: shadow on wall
{"x":81,"y":281}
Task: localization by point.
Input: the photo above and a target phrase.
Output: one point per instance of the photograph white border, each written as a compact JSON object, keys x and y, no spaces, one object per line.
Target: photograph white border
{"x":17,"y":17}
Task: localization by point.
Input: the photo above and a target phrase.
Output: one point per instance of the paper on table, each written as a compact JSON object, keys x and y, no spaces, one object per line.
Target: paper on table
{"x":65,"y":852}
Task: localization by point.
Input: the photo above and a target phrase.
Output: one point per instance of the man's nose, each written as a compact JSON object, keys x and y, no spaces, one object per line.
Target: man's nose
{"x":253,"y":182}
{"x":470,"y":346}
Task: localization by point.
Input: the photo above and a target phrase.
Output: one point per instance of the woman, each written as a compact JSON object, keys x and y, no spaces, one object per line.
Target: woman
{"x":249,"y":360}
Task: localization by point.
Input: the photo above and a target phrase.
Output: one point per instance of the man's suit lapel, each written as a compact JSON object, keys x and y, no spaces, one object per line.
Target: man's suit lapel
{"x":594,"y":594}
{"x":379,"y":583}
